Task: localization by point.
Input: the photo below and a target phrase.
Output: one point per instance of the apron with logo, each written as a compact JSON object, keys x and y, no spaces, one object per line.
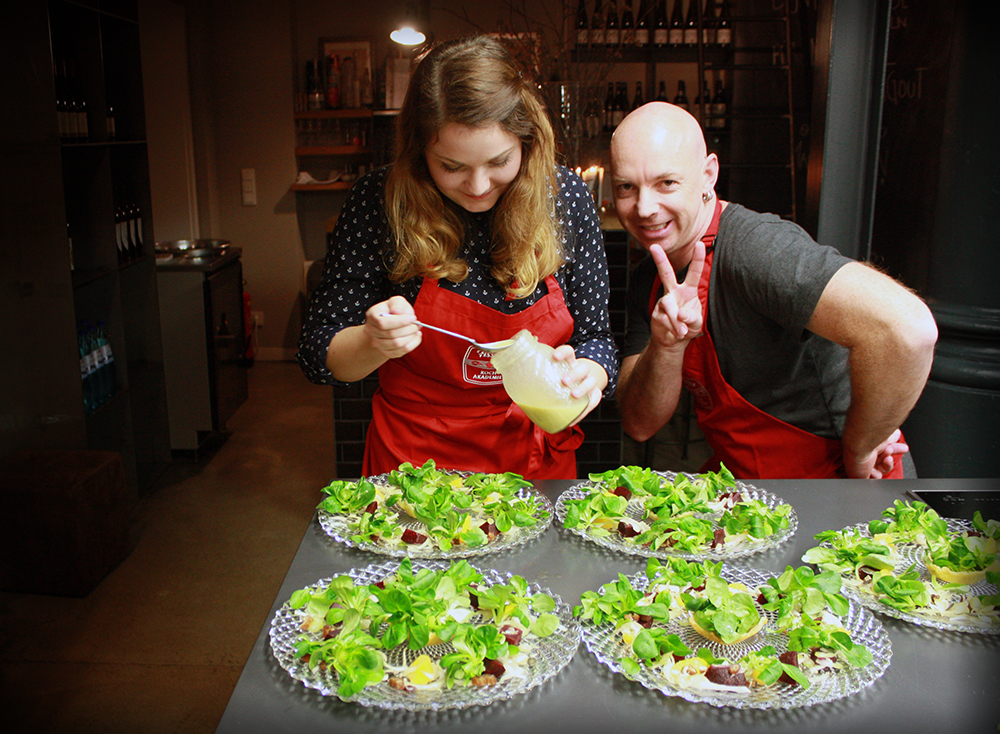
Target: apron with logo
{"x":445,"y":401}
{"x":751,"y":443}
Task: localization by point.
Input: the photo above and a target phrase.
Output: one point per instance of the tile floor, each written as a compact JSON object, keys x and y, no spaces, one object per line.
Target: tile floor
{"x":158,"y":646}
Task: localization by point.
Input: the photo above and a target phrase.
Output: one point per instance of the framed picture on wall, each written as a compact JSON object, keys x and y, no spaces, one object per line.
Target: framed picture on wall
{"x":351,"y":60}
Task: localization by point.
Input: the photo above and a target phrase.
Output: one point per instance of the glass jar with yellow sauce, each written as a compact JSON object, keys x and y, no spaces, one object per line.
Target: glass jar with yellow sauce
{"x":533,"y":379}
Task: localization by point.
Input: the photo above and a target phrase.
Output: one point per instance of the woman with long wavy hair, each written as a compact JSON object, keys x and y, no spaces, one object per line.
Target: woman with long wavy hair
{"x":473,"y":228}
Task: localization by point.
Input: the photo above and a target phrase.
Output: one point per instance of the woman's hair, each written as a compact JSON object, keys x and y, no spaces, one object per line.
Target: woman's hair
{"x":473,"y":82}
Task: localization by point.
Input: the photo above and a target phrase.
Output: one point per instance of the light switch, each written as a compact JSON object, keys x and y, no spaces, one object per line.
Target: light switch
{"x":248,"y":179}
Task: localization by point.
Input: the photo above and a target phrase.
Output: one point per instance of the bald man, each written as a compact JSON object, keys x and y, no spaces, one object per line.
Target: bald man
{"x":801,"y":363}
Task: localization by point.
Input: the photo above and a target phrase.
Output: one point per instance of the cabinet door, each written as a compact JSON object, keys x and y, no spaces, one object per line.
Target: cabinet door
{"x":224,"y":309}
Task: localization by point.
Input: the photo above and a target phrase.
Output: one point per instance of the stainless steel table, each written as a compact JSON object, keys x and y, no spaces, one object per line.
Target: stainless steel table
{"x":937,"y":681}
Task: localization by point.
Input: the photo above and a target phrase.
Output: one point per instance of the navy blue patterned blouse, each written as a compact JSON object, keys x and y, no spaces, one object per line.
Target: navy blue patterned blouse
{"x":355,"y":276}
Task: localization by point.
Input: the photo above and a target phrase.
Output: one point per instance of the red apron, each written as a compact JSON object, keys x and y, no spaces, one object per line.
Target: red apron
{"x":445,"y":401}
{"x":751,"y":443}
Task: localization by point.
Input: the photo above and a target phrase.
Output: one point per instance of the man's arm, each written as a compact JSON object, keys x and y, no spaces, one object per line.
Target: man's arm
{"x":890,"y":334}
{"x":649,"y":386}
{"x":649,"y":383}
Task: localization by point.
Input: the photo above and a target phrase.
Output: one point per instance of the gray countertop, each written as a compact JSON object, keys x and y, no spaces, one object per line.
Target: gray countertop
{"x":937,"y":681}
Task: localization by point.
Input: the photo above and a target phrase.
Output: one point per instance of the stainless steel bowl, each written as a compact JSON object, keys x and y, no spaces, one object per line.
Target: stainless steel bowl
{"x":193,"y":248}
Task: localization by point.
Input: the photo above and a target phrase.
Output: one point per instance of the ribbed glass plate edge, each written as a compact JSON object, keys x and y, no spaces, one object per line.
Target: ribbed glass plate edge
{"x":338,"y":527}
{"x":913,"y":555}
{"x":549,"y":657}
{"x":617,"y":543}
{"x":605,"y":644}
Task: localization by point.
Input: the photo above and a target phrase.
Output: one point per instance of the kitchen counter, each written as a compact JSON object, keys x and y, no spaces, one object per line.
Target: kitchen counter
{"x":937,"y":681}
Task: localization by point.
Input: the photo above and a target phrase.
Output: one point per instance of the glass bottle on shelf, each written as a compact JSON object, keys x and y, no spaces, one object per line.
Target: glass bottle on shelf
{"x":676,"y":35}
{"x":708,"y":24}
{"x":609,"y":108}
{"x":612,"y":36}
{"x":333,"y":82}
{"x":691,"y":24}
{"x":628,"y":25}
{"x":661,"y":94}
{"x":723,"y":29}
{"x":638,"y":100}
{"x":642,"y":23}
{"x":621,"y":104}
{"x":681,"y":98}
{"x":597,"y":26}
{"x":582,"y":25}
{"x":109,"y":378}
{"x":661,"y":27}
{"x":315,"y":98}
{"x":719,"y":106}
{"x":533,"y":380}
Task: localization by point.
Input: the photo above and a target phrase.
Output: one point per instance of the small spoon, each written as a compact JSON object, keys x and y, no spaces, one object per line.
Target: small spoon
{"x":488,"y":347}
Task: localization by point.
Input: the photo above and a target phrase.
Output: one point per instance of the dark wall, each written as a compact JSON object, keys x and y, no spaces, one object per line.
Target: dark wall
{"x":937,"y":201}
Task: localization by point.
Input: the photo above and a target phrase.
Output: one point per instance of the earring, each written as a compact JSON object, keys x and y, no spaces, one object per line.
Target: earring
{"x":708,"y":196}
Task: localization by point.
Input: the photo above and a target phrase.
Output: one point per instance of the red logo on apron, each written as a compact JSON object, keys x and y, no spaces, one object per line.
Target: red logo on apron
{"x":699,"y":393}
{"x":477,"y":368}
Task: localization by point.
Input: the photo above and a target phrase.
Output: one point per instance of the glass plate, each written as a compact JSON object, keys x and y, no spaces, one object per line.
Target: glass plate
{"x":340,"y":528}
{"x":909,"y":554}
{"x":548,"y":655}
{"x":635,"y":511}
{"x":607,"y":646}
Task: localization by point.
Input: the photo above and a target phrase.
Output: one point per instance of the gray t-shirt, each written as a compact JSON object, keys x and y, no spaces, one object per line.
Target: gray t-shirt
{"x":767,"y":277}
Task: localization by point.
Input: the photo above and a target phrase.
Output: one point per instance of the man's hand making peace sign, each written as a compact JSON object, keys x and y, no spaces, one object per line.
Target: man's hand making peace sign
{"x":677,"y":317}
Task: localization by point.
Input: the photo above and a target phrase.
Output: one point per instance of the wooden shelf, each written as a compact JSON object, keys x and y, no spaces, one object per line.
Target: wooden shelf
{"x":319,"y":150}
{"x":335,"y":186}
{"x":353,"y":113}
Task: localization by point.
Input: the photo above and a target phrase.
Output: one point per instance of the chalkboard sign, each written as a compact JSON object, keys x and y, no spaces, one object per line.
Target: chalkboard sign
{"x":916,"y":89}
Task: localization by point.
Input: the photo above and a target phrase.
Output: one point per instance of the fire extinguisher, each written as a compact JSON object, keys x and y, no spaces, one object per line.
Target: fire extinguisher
{"x":248,"y":325}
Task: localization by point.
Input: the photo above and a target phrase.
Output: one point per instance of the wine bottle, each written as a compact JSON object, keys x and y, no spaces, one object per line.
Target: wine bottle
{"x":681,"y":98}
{"x":661,"y":95}
{"x":597,"y":26}
{"x":638,"y":100}
{"x":582,"y":25}
{"x":333,"y":82}
{"x":112,"y":131}
{"x":691,"y":24}
{"x":642,"y":24}
{"x":609,"y":108}
{"x":612,"y":36}
{"x":719,"y":106}
{"x":628,"y":25}
{"x":621,"y":104}
{"x":315,"y":97}
{"x":660,"y":26}
{"x":62,"y":104}
{"x":723,"y":29}
{"x":677,"y":24}
{"x":708,"y":24}
{"x":703,"y":104}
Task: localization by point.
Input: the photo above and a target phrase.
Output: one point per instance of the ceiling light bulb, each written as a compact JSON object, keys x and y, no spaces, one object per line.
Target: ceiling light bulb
{"x":407,"y":36}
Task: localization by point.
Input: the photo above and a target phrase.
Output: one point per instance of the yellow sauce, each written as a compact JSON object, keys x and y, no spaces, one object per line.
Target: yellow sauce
{"x":552,"y":418}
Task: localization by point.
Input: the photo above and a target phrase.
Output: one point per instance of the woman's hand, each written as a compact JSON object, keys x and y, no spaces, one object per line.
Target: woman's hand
{"x":389,"y":328}
{"x":585,"y":378}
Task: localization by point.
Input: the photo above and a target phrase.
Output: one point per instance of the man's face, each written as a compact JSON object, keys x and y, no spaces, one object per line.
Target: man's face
{"x":658,"y":181}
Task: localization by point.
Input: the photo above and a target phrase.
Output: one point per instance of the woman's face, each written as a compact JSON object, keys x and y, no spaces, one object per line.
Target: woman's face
{"x":473,"y":166}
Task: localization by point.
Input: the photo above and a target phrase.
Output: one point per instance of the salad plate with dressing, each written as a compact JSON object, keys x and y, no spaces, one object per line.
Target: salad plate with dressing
{"x":914,"y":565}
{"x":427,"y":512}
{"x":650,"y":513}
{"x":423,"y":635}
{"x":730,"y":636}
